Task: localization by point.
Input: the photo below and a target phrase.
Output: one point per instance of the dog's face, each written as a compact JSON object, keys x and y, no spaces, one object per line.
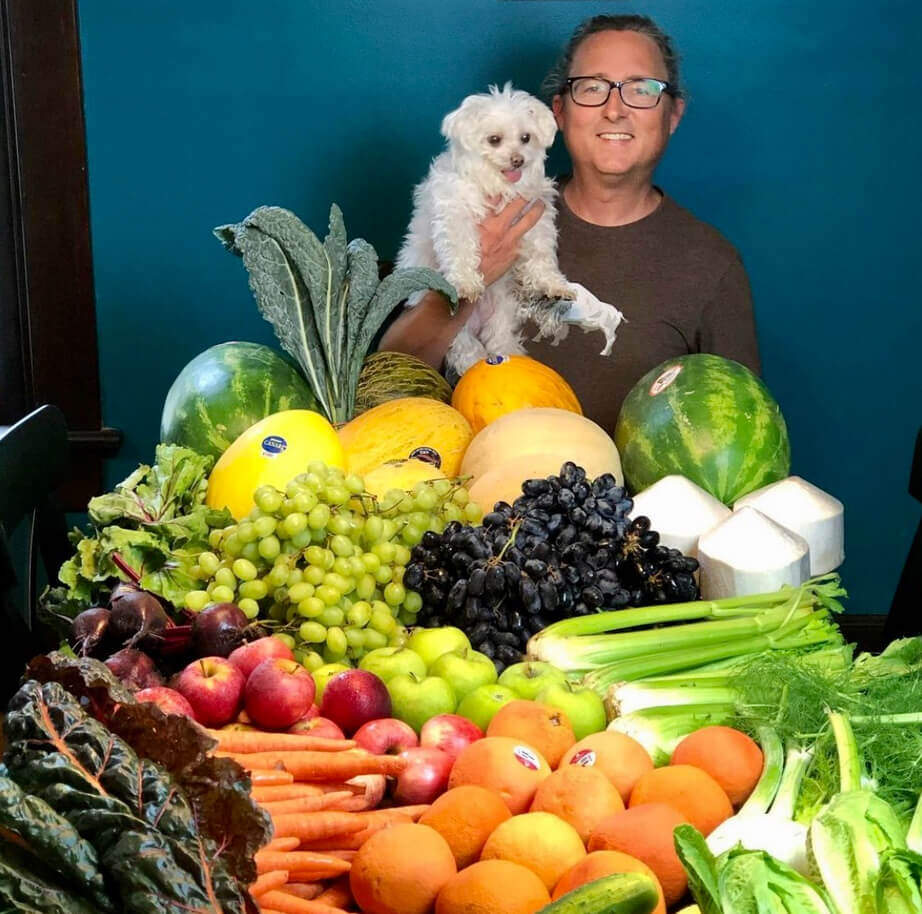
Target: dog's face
{"x":503,"y":134}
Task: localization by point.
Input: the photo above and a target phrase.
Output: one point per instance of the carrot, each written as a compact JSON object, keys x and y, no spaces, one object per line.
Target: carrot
{"x":323,"y":766}
{"x":305,"y":890}
{"x":308,"y":804}
{"x":269,"y":776}
{"x":280,"y":844}
{"x":285,"y":792}
{"x":342,"y":855}
{"x":289,"y":904}
{"x":230,"y":741}
{"x":315,"y":825}
{"x":356,"y":839}
{"x":274,"y":879}
{"x":301,"y":863}
{"x":394,"y":812}
{"x":337,"y":894}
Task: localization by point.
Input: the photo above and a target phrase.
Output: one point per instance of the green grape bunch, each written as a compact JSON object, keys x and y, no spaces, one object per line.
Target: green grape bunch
{"x":321,"y":564}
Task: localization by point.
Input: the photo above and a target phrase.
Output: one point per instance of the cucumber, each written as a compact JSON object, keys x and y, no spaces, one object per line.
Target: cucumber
{"x":620,"y":893}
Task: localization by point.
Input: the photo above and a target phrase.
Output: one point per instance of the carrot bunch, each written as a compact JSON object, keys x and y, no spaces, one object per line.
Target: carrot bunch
{"x":321,"y":795}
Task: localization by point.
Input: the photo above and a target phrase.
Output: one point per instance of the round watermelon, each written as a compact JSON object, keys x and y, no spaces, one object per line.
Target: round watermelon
{"x":395,"y":375}
{"x":226,"y":389}
{"x":707,"y":418}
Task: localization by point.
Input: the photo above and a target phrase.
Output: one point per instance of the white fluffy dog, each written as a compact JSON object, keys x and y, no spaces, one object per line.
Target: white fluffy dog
{"x":497,"y":143}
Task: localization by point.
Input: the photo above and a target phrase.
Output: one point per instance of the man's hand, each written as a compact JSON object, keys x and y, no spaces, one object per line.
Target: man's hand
{"x":500,"y":235}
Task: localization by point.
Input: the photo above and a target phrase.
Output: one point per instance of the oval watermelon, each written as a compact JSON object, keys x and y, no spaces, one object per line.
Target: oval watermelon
{"x":226,"y":389}
{"x":707,"y":418}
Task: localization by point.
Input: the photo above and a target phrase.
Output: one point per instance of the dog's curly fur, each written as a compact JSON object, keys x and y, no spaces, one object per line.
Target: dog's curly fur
{"x":493,"y":138}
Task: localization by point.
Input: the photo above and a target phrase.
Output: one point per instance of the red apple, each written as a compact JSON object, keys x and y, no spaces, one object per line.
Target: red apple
{"x":386,"y":736}
{"x":449,"y":732}
{"x":249,"y":656}
{"x":354,"y":697}
{"x":214,"y":687}
{"x":168,"y":700}
{"x":278,"y":692}
{"x":425,"y":777}
{"x":317,"y":726}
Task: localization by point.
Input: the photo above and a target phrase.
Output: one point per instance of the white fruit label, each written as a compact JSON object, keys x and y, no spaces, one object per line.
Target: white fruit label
{"x":526,"y":757}
{"x":585,"y":758}
{"x":664,"y":380}
{"x":273,"y":446}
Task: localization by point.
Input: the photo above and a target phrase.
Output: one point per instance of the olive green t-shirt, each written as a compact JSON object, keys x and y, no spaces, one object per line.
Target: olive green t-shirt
{"x":681,"y":287}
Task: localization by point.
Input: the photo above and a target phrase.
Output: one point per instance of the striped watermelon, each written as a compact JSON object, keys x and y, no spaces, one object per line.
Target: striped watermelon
{"x":226,"y":389}
{"x":707,"y":418}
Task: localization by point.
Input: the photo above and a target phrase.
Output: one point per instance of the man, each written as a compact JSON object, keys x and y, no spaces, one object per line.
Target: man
{"x":617,"y":99}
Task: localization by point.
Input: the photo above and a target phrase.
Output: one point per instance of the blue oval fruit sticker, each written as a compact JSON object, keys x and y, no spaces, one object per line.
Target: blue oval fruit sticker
{"x":273,"y":445}
{"x":497,"y":359}
{"x":526,"y":757}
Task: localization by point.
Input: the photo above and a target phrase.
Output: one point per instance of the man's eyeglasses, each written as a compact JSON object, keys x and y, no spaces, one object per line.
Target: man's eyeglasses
{"x":594,"y":91}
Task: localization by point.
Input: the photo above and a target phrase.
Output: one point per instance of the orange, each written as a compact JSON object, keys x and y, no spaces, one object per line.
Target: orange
{"x":491,"y":886}
{"x":510,"y":767}
{"x":547,"y":729}
{"x":603,"y":863}
{"x":548,"y":846}
{"x":691,"y":791}
{"x":645,"y":832}
{"x":465,"y":817}
{"x":620,"y":758}
{"x":401,"y":870}
{"x":732,"y":758}
{"x":580,"y":796}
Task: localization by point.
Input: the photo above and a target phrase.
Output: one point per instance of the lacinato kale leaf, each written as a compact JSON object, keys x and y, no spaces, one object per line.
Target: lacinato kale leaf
{"x":131,"y":811}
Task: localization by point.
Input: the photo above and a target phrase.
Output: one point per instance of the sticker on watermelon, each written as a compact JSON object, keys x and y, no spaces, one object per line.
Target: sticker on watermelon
{"x":527,"y":757}
{"x":273,"y":445}
{"x":585,"y":758}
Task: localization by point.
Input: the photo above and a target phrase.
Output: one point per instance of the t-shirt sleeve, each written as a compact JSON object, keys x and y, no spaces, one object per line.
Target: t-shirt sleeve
{"x":727,"y":325}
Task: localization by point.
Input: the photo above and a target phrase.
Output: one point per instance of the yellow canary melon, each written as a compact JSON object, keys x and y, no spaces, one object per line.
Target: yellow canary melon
{"x":397,"y":428}
{"x":539,"y":434}
{"x":271,"y":452}
{"x":501,"y":384}
{"x":399,"y":474}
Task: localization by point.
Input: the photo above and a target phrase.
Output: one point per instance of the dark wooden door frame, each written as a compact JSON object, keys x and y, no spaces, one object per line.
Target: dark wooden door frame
{"x":48,"y":349}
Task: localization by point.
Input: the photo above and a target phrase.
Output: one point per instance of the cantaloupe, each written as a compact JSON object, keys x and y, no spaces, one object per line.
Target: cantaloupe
{"x":397,"y":428}
{"x":541,"y":434}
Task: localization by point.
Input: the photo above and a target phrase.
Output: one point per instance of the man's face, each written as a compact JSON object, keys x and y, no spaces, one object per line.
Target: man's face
{"x":615,"y":140}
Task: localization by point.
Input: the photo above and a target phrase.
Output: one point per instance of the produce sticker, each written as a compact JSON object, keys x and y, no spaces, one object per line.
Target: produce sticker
{"x":665,"y":379}
{"x":427,"y":455}
{"x":585,"y":758}
{"x":273,"y":445}
{"x":526,"y":757}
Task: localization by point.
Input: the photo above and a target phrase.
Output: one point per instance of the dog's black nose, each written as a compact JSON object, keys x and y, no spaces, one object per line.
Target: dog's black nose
{"x":518,"y":161}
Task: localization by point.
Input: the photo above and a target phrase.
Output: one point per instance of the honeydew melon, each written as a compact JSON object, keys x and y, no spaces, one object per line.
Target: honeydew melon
{"x":680,"y":511}
{"x":750,"y":553}
{"x":810,"y":512}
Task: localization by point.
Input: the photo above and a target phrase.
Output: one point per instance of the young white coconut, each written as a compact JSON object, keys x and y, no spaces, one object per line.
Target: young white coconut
{"x":680,"y":511}
{"x":750,"y":553}
{"x":810,"y":512}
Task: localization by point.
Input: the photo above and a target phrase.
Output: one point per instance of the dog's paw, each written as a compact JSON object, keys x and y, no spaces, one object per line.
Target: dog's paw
{"x":469,"y":286}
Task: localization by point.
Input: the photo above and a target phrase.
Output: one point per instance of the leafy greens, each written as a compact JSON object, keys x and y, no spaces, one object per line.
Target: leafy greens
{"x":323,"y":299}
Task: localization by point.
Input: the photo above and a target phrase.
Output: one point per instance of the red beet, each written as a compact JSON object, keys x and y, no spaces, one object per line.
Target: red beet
{"x":218,"y":630}
{"x":135,"y":669}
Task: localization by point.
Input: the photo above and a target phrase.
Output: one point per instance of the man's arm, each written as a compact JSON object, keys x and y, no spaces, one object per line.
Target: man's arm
{"x":727,"y":324}
{"x":427,"y":329}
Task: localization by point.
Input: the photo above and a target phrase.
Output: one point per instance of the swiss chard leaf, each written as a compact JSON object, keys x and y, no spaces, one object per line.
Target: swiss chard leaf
{"x":29,"y":887}
{"x":51,"y":838}
{"x":134,"y":814}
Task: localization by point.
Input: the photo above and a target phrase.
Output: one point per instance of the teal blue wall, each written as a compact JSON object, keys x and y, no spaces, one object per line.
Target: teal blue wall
{"x":802,"y":143}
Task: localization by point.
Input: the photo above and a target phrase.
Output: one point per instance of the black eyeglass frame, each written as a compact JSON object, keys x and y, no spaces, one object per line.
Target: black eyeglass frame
{"x":665,"y":89}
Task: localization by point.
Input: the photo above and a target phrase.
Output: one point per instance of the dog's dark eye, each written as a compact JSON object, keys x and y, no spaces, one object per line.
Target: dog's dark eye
{"x":494,"y":139}
{"x":525,"y":137}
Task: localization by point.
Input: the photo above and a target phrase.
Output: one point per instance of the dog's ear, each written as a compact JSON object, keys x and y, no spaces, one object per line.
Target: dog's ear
{"x":545,"y":124}
{"x":458,"y":126}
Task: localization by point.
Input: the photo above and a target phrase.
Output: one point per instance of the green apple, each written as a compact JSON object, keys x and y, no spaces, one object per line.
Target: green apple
{"x":415,"y":699}
{"x":531,"y":677}
{"x":323,"y":674}
{"x":480,"y":705}
{"x":583,"y":707}
{"x":387,"y":662}
{"x":431,"y":643}
{"x":465,"y":670}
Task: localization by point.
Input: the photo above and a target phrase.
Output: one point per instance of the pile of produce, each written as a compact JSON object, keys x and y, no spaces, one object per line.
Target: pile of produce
{"x":388,"y":647}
